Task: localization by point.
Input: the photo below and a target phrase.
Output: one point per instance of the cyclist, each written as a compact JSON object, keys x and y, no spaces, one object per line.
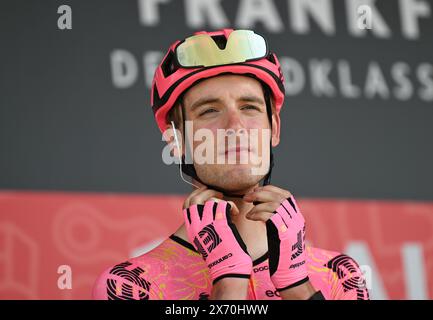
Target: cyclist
{"x":242,"y":237}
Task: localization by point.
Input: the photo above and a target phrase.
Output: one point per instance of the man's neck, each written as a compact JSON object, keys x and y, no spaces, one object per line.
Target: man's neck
{"x":252,"y":232}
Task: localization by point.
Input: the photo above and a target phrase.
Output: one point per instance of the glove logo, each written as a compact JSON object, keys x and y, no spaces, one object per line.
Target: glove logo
{"x":299,"y":247}
{"x":210,"y":238}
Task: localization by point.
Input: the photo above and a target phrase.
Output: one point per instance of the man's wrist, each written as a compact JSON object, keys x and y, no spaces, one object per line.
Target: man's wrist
{"x":230,"y":289}
{"x":302,"y":292}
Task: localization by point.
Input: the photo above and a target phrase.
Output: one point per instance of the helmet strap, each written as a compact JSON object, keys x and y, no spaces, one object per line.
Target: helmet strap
{"x":189,"y":169}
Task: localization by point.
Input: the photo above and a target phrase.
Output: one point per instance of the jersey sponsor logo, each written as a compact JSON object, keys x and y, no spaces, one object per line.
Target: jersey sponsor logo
{"x":220,"y":260}
{"x":210,"y":239}
{"x":134,"y":282}
{"x":258,"y":269}
{"x":295,"y":265}
{"x":270,"y":293}
{"x":348,"y":271}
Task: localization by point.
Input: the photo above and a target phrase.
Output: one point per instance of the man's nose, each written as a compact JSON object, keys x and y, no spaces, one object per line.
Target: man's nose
{"x":234,"y":120}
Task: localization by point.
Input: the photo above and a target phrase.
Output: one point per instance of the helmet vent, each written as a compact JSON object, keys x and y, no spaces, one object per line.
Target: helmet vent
{"x":221,"y":41}
{"x":168,"y":66}
{"x":271,"y":58}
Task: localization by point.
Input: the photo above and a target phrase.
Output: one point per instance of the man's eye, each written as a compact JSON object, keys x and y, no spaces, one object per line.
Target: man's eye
{"x":250,"y":107}
{"x":210,"y":110}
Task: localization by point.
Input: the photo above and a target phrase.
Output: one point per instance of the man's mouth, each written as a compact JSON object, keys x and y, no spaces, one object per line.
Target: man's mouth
{"x":237,"y":150}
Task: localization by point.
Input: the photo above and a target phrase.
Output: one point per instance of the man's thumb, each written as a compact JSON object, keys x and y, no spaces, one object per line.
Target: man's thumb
{"x":234,"y":209}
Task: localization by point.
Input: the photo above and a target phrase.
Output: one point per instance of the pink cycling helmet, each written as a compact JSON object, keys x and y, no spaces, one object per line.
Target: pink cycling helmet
{"x":171,"y":80}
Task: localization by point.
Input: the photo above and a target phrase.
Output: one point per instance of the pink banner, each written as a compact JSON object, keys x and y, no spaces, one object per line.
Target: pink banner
{"x":44,"y":233}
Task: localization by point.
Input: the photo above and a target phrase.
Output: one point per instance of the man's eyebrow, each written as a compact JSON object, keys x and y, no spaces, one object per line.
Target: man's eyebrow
{"x":206,"y":100}
{"x":203,"y":101}
{"x":251,"y":98}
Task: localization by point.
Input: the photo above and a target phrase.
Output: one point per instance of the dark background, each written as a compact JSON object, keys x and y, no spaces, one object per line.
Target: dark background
{"x":65,"y":126}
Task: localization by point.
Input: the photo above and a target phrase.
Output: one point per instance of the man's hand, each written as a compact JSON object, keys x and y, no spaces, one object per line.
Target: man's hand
{"x":285,"y":228}
{"x":210,"y":230}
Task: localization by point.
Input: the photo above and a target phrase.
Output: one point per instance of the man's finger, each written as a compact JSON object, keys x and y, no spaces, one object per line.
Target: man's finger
{"x":264,"y":207}
{"x":187,"y":202}
{"x":264,"y":196}
{"x":234,"y":208}
{"x":269,"y":187}
{"x":260,"y":216}
{"x":202,"y":197}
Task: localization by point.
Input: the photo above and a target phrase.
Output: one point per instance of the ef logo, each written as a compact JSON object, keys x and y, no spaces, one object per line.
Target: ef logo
{"x":65,"y":18}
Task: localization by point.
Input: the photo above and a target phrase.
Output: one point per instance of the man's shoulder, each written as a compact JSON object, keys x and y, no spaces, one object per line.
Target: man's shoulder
{"x":330,"y":259}
{"x":337,"y":273}
{"x":138,"y":277}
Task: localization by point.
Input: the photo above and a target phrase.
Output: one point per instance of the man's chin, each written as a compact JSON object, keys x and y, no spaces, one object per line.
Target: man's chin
{"x":235,"y":179}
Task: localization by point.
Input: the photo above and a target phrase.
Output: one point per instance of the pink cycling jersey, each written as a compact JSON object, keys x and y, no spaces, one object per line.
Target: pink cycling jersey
{"x":175,"y":270}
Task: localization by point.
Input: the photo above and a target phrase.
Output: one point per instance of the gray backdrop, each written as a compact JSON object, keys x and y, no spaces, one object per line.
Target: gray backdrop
{"x":65,"y":124}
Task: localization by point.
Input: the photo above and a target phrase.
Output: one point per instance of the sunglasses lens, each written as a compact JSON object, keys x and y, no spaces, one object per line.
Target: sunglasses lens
{"x":201,"y":50}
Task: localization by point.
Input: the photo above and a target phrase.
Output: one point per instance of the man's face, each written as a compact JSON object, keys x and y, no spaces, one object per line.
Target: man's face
{"x":225,"y":105}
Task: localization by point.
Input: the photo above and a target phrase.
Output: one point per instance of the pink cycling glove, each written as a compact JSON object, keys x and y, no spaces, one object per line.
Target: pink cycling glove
{"x":286,"y":246}
{"x":216,"y":238}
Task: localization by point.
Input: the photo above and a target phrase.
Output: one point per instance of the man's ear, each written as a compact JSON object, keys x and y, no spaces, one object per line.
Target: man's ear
{"x":275,"y":129}
{"x":169,"y":136}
